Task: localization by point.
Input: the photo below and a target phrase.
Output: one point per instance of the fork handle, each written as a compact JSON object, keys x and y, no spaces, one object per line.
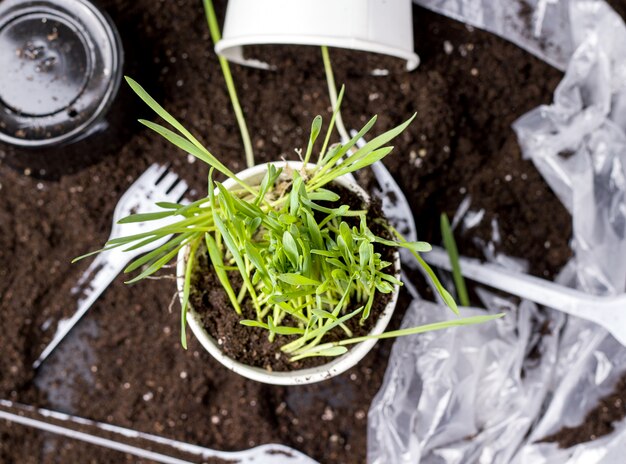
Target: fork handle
{"x":550,"y":294}
{"x":100,"y":273}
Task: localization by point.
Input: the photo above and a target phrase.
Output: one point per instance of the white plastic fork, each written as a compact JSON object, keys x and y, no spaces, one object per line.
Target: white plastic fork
{"x":117,"y":438}
{"x":154,"y":185}
{"x":606,"y":311}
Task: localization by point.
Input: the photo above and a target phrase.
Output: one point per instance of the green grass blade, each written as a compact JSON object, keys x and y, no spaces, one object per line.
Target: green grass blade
{"x":355,"y":165}
{"x":453,"y":252}
{"x":316,"y":127}
{"x":323,"y":314}
{"x":297,"y":279}
{"x":314,"y":230}
{"x":285,"y":330}
{"x":447,"y":298}
{"x":199,"y":152}
{"x":336,"y":113}
{"x":95,"y":252}
{"x":445,"y":295}
{"x":332,"y":91}
{"x":234,"y":251}
{"x":382,"y":139}
{"x":426,"y":328}
{"x":144,"y":217}
{"x":257,"y":261}
{"x":291,"y":347}
{"x":214,"y":29}
{"x":158,"y":109}
{"x":465,"y":321}
{"x":218,"y":265}
{"x":328,"y":351}
{"x":418,"y":247}
{"x":155,"y":266}
{"x":253,"y":323}
{"x":322,"y":194}
{"x":154,"y":254}
{"x":332,"y":157}
{"x":291,"y":248}
{"x":186,"y":289}
{"x":168,"y":205}
{"x":182,"y":226}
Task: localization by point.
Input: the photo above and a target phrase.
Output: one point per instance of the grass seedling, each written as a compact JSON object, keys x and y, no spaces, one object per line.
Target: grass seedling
{"x":450,"y":246}
{"x":308,"y":265}
{"x":335,"y":101}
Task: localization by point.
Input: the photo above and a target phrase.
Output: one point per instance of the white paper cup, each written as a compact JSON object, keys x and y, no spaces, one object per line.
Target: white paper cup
{"x":379,"y":26}
{"x":335,"y":367}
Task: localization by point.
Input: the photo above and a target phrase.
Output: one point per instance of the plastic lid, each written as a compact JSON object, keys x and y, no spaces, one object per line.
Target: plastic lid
{"x":61,"y":66}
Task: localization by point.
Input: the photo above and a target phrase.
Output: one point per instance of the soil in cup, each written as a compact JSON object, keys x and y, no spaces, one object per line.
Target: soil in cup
{"x":250,"y":345}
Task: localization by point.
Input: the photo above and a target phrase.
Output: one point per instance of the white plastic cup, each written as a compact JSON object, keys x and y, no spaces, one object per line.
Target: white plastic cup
{"x":379,"y":26}
{"x":335,"y":367}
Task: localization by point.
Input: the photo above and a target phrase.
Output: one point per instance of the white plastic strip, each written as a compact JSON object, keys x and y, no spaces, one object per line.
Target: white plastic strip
{"x":93,"y":439}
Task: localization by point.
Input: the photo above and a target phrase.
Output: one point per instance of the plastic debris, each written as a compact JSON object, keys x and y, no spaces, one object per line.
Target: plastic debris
{"x":490,"y":394}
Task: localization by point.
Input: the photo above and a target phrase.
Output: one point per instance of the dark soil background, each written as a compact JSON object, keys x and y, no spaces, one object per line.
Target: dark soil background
{"x":136,"y":374}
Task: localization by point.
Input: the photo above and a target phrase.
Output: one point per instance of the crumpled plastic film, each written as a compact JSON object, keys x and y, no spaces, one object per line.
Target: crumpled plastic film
{"x":479,"y":394}
{"x":462,"y":395}
{"x":579,"y":145}
{"x":590,"y":364}
{"x":538,"y":26}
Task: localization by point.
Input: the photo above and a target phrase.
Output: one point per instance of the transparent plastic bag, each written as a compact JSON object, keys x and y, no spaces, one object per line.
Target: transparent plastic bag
{"x":479,"y":394}
{"x":461,"y":396}
{"x":579,"y":145}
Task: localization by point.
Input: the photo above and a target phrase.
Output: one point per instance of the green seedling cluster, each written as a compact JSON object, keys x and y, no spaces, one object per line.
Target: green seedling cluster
{"x":307,"y":266}
{"x":296,"y":268}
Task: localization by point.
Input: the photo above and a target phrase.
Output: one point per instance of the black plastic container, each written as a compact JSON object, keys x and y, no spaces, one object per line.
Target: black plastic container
{"x":60,"y":71}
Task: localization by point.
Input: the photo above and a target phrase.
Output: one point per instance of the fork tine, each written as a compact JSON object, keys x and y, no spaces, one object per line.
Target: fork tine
{"x":153,"y":172}
{"x":179,"y":190}
{"x":167,"y":181}
{"x":155,"y":184}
